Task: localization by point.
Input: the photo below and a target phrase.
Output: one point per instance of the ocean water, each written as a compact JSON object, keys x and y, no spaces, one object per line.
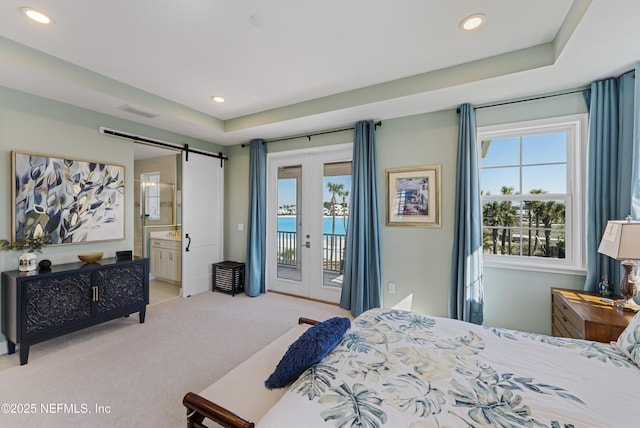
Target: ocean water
{"x":288,"y":224}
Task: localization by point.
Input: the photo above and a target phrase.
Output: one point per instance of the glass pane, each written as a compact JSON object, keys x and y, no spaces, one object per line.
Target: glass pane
{"x":544,"y":148}
{"x":150,"y":205}
{"x":544,"y":179}
{"x":490,"y":240}
{"x":288,"y":252}
{"x":498,"y":181}
{"x":501,"y":233}
{"x":501,"y":152}
{"x":546,"y":243}
{"x":545,"y":234}
{"x":336,"y":204}
{"x":514,"y":242}
{"x":530,"y":242}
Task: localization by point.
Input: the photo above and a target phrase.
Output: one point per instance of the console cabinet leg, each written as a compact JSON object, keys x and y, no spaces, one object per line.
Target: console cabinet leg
{"x":24,"y":353}
{"x":11,"y":347}
{"x":142,"y":314}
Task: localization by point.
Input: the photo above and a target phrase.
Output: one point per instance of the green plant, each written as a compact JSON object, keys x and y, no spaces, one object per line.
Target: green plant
{"x":32,"y":243}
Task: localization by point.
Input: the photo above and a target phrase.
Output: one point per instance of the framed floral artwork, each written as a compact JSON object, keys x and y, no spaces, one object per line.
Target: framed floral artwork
{"x":74,"y":201}
{"x":413,"y":196}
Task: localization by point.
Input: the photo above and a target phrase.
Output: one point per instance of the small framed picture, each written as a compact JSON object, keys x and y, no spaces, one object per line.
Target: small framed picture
{"x":413,"y":196}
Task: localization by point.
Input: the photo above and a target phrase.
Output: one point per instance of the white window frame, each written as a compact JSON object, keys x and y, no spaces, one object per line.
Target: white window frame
{"x":576,"y":127}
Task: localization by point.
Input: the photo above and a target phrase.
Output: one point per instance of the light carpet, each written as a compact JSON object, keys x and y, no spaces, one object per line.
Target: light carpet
{"x":126,"y":374}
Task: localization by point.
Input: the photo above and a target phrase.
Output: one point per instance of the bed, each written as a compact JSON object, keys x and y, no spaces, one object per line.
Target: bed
{"x":402,"y":369}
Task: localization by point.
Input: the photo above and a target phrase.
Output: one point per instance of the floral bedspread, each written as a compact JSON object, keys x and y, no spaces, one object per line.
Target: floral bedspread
{"x":401,"y":369}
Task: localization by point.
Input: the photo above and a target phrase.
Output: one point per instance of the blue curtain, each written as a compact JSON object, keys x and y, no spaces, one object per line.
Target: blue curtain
{"x":362,"y":283}
{"x":466,"y":300}
{"x":257,"y":220}
{"x":610,"y":165}
{"x":635,"y":170}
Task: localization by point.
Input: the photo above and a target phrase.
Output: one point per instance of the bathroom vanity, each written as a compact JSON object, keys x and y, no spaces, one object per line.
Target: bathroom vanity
{"x":166,"y":256}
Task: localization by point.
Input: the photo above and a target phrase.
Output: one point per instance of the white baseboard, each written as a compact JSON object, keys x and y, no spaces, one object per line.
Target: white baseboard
{"x":3,"y":348}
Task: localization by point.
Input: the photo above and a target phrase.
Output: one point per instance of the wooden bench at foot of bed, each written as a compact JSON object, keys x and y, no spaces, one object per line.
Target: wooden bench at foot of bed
{"x":242,"y":389}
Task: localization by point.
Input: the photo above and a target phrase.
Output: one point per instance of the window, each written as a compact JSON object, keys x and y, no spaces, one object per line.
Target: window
{"x":531,"y":192}
{"x":150,"y":206}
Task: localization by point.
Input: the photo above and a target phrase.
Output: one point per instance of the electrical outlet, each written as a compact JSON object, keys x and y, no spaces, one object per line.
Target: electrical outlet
{"x":240,"y":226}
{"x":392,"y":288}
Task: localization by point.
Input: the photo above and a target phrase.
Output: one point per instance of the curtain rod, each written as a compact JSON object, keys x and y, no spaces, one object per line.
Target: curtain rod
{"x":541,"y":97}
{"x":376,"y":124}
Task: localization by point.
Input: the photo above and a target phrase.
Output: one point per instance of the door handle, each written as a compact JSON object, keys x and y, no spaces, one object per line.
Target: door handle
{"x":307,"y":244}
{"x":189,"y":243}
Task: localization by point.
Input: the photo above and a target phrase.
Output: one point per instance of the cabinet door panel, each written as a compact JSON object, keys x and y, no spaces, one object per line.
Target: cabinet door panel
{"x":175,"y":272}
{"x":55,"y":302}
{"x":156,"y":262}
{"x":120,"y":286}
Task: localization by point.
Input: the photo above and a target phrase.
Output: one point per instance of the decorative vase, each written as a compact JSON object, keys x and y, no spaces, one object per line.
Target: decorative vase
{"x":604,"y":287}
{"x":27,"y":262}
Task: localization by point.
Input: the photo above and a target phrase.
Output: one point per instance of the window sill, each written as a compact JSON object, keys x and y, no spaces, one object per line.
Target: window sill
{"x":547,"y":267}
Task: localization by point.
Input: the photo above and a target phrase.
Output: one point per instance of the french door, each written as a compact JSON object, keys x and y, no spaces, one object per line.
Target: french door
{"x":308,"y":204}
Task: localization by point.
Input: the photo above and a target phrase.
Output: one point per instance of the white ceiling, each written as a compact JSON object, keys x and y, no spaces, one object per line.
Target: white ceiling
{"x":289,"y":67}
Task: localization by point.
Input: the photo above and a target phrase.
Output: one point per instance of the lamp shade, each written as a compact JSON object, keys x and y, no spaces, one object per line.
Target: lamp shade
{"x":621,"y":240}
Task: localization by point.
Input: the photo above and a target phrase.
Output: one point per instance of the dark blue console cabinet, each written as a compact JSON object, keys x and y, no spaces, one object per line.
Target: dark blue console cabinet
{"x":38,"y":305}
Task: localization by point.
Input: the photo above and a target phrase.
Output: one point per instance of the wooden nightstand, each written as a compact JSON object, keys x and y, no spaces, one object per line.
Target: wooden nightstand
{"x":584,"y":315}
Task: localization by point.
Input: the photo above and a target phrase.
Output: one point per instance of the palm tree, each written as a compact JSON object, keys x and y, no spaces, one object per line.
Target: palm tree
{"x":507,"y":216}
{"x":345,"y":206}
{"x":553,"y":213}
{"x":335,"y":189}
{"x":537,"y":209}
{"x":345,"y":223}
{"x":490,"y":218}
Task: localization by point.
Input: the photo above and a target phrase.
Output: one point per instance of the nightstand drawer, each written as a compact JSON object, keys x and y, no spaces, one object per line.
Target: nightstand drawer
{"x":562,"y":327}
{"x":567,"y":320}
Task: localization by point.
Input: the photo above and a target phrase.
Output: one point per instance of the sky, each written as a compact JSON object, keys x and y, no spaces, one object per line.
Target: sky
{"x":287,"y":189}
{"x":548,"y":149}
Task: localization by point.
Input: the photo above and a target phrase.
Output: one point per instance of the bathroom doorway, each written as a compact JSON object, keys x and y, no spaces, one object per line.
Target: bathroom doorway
{"x":157,"y":218}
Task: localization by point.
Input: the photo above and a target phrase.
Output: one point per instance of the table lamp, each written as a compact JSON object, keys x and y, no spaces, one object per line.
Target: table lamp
{"x":621,"y":241}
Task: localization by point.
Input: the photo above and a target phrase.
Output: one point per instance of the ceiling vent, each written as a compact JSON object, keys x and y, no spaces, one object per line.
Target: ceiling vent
{"x":139,"y":111}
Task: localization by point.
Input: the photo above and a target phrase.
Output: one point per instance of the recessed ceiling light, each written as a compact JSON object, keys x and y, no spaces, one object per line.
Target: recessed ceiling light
{"x":35,"y":15}
{"x":218,"y":99}
{"x":473,"y":21}
{"x":256,"y":20}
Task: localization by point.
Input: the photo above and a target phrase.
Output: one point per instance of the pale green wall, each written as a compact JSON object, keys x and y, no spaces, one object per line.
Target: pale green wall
{"x":33,"y":124}
{"x":418,"y":259}
{"x":521,"y":300}
{"x":236,"y":202}
{"x":24,"y":130}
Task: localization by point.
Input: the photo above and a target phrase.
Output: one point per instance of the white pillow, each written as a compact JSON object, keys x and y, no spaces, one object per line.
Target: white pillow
{"x":629,"y":341}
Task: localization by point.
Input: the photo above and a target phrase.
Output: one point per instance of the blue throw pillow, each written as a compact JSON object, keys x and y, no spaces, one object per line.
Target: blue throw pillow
{"x":311,"y":347}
